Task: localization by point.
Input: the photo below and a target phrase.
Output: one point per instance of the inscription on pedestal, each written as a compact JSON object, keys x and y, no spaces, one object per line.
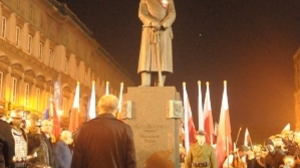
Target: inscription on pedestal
{"x":149,"y":132}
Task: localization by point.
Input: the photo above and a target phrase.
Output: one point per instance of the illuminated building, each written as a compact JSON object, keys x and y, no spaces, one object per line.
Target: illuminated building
{"x":297,"y":83}
{"x":42,"y":42}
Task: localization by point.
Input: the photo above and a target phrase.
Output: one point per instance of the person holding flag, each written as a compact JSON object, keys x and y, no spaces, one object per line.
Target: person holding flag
{"x":237,"y":159}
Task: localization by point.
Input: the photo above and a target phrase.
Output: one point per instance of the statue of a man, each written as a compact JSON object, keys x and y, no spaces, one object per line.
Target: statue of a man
{"x":156,"y":55}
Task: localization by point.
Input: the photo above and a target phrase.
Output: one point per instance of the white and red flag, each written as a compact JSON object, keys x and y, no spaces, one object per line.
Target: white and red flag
{"x":120,"y":103}
{"x":208,"y":118}
{"x":75,"y":116}
{"x":92,"y":103}
{"x":189,"y":127}
{"x":224,"y":140}
{"x":247,"y":139}
{"x":287,"y":128}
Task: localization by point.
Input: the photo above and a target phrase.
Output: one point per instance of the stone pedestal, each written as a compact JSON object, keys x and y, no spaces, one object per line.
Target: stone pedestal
{"x":156,"y":136}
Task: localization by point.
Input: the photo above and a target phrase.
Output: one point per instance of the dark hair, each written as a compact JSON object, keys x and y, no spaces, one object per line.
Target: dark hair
{"x":243,"y":148}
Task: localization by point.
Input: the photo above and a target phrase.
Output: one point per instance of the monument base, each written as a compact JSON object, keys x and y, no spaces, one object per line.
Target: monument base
{"x":156,"y":135}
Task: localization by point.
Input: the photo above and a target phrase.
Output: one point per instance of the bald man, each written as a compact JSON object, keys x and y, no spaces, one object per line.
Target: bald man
{"x":104,"y":141}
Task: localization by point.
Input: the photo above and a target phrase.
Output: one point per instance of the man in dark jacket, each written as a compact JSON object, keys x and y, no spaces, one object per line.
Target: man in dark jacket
{"x":104,"y":141}
{"x":46,"y":128}
{"x":275,"y":156}
{"x":7,"y":149}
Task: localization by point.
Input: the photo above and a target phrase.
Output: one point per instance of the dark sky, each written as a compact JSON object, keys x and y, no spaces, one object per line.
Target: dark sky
{"x":249,"y":43}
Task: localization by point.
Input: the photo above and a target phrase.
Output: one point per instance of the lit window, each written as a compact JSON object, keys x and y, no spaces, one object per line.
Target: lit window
{"x":3,"y":31}
{"x":18,"y":30}
{"x":1,"y":83}
{"x":41,"y":50}
{"x":66,"y":64}
{"x":64,"y":104}
{"x":19,"y":4}
{"x":50,"y":57}
{"x":47,"y":98}
{"x":38,"y":95}
{"x":14,"y":90}
{"x":29,"y":43}
{"x":77,"y":72}
{"x":26,"y":103}
{"x":31,"y":13}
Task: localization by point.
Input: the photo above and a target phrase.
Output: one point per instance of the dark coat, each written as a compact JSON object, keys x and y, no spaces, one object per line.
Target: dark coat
{"x":275,"y":159}
{"x":36,"y":144}
{"x":64,"y":155}
{"x":104,"y":142}
{"x":51,"y":152}
{"x":7,"y":145}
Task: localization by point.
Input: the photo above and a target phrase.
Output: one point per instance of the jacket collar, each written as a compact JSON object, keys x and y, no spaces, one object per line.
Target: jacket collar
{"x":106,"y":115}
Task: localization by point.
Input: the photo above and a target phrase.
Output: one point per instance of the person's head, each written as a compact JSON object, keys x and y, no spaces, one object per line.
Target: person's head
{"x":200,"y":136}
{"x":297,"y":137}
{"x":16,"y":117}
{"x":107,"y":104}
{"x":288,"y":135}
{"x":270,"y":145}
{"x":32,"y":121}
{"x":257,"y":149}
{"x":289,"y":161}
{"x":243,"y":150}
{"x":67,"y":137}
{"x":278,"y":141}
{"x":46,"y":126}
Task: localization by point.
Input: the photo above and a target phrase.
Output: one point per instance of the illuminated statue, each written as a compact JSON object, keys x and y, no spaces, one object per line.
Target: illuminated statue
{"x":156,"y":55}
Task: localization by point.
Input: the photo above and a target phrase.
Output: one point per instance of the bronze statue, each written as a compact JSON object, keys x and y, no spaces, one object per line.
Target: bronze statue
{"x":156,"y":55}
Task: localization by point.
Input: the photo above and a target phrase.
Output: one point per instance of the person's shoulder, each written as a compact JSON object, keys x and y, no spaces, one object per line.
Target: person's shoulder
{"x":208,"y":146}
{"x":59,"y":143}
{"x":4,"y":124}
{"x":281,"y":152}
{"x":194,"y":145}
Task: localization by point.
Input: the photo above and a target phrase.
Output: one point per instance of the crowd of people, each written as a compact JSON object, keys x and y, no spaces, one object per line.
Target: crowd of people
{"x":29,"y":143}
{"x":278,"y":151}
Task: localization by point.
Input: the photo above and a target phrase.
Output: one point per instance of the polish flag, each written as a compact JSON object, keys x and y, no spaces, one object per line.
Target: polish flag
{"x":75,"y":117}
{"x":208,"y":118}
{"x":189,"y":127}
{"x":247,"y":139}
{"x":224,"y":140}
{"x":92,"y":104}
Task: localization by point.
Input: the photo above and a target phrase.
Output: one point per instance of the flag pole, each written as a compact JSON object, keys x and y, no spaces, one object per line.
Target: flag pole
{"x":227,"y":150}
{"x":237,"y":137}
{"x":251,"y":143}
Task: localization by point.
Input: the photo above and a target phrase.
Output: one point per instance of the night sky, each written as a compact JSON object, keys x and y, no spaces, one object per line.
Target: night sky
{"x":249,"y":43}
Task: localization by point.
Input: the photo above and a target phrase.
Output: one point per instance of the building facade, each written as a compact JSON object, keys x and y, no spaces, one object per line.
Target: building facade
{"x":42,"y":42}
{"x":297,"y":84}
